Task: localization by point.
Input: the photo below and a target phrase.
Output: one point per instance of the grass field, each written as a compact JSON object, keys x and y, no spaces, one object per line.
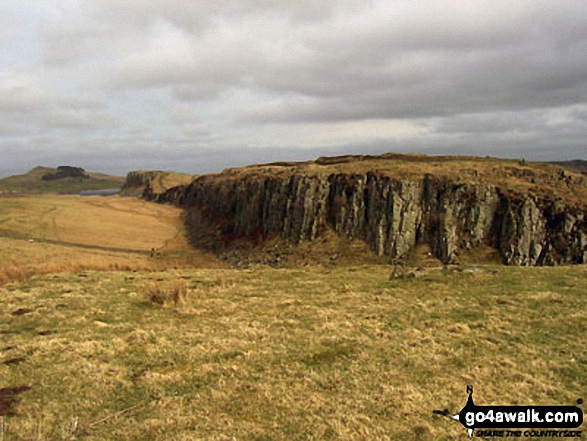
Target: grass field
{"x":314,"y":353}
{"x":94,"y":220}
{"x":287,"y":354}
{"x":41,"y":234}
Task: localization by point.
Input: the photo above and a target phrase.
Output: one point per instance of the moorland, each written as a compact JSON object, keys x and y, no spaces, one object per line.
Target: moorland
{"x":114,"y":327}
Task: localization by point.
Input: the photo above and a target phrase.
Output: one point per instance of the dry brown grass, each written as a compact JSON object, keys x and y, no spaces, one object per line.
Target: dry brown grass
{"x":90,"y":233}
{"x":158,"y":181}
{"x":32,"y":182}
{"x":166,"y":180}
{"x":11,"y":273}
{"x":175,"y":292}
{"x":21,"y":260}
{"x":287,"y":354}
{"x":117,"y":222}
{"x":296,"y":354}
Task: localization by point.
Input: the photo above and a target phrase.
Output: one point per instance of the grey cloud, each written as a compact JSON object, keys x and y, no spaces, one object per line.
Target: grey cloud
{"x":504,"y":122}
{"x":187,"y":120}
{"x":26,"y":101}
{"x":441,"y":84}
{"x":196,"y":92}
{"x":537,"y":121}
{"x":20,"y":92}
{"x":394,"y":60}
{"x":96,"y":27}
{"x":193,"y":15}
{"x":96,"y":79}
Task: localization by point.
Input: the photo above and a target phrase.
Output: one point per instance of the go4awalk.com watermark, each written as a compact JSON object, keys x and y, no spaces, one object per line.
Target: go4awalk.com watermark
{"x":520,"y":421}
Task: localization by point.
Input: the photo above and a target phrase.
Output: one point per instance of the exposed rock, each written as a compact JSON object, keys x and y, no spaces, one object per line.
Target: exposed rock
{"x":154,"y":184}
{"x":393,"y":214}
{"x":469,"y":270}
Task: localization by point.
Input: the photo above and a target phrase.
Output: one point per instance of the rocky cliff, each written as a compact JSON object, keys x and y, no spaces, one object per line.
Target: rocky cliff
{"x":530,"y":214}
{"x":151,"y":184}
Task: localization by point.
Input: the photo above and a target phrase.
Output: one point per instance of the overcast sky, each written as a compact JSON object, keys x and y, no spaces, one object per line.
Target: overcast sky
{"x":197,"y":85}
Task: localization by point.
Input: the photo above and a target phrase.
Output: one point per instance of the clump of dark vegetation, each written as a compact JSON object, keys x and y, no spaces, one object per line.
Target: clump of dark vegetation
{"x":16,"y":360}
{"x":65,"y":171}
{"x":22,"y":311}
{"x":8,"y":398}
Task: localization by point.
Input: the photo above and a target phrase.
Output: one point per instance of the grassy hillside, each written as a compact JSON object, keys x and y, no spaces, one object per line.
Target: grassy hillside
{"x":49,"y":233}
{"x":92,"y":220}
{"x":32,"y":182}
{"x":301,"y":354}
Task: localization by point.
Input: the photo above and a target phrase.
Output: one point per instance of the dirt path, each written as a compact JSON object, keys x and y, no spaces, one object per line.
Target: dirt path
{"x":75,"y":245}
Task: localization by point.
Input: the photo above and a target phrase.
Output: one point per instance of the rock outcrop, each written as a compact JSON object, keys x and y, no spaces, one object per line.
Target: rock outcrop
{"x":65,"y":171}
{"x":393,"y":214}
{"x":152,"y":184}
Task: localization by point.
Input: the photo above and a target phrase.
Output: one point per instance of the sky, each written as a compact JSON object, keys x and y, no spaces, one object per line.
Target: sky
{"x":197,"y":86}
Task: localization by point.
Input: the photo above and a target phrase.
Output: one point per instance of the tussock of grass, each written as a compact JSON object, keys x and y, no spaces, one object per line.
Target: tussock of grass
{"x":11,"y":273}
{"x":175,"y":292}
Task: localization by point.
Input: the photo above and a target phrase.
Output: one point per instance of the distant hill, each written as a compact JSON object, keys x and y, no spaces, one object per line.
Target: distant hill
{"x":63,"y":179}
{"x":65,"y":171}
{"x":575,"y":164}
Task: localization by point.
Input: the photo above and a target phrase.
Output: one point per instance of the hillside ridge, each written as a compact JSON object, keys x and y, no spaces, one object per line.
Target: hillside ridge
{"x":528,"y":213}
{"x":62,"y":179}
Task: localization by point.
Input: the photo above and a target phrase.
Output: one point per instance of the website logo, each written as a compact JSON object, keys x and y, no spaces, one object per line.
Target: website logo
{"x":474,"y":417}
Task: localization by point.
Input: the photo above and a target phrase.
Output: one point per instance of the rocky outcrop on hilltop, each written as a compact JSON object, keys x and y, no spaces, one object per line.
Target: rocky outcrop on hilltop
{"x":137,"y":182}
{"x":152,"y":184}
{"x":65,"y":171}
{"x":394,"y":214}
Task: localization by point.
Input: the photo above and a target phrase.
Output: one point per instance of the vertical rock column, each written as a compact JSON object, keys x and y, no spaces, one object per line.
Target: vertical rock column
{"x":523,"y":233}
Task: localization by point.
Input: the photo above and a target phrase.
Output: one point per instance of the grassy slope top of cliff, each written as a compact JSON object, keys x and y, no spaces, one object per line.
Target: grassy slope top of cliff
{"x":156,"y":181}
{"x":544,"y":180}
{"x":33,"y":182}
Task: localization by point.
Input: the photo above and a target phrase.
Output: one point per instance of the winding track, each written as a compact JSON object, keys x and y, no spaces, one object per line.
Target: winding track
{"x":72,"y":244}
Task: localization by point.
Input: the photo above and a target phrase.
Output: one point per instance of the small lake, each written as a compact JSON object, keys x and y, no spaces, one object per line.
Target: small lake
{"x":102,"y":192}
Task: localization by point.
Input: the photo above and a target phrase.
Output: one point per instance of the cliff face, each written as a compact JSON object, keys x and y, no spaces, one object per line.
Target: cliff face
{"x":392,"y":215}
{"x":135,"y":184}
{"x":151,"y":184}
